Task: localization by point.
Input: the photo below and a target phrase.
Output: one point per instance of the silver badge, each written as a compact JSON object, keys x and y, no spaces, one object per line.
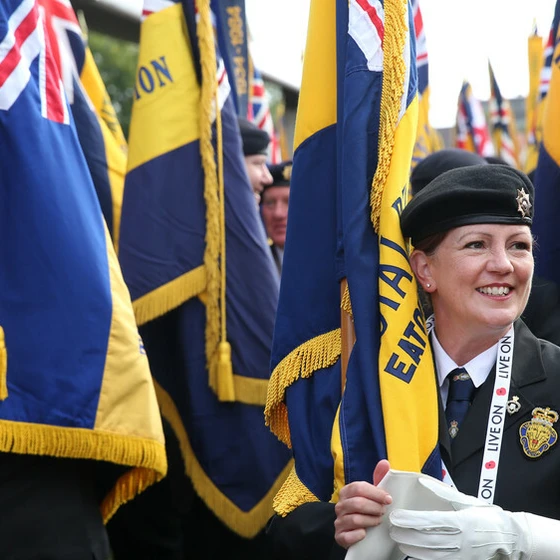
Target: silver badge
{"x":523,"y":203}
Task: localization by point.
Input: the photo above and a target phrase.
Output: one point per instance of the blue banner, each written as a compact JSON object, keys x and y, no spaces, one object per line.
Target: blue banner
{"x":231,"y":24}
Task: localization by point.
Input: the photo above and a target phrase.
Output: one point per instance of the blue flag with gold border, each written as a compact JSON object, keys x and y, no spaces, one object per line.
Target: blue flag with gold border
{"x":355,"y":132}
{"x":202,"y":280}
{"x":74,"y":378}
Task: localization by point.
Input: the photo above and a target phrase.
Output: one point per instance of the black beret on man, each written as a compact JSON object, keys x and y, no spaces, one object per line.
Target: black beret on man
{"x":477,"y":194}
{"x":281,"y":174}
{"x":438,"y":162}
{"x":255,"y":140}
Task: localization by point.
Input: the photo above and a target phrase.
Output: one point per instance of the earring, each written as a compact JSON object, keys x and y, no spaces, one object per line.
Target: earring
{"x":428,"y":285}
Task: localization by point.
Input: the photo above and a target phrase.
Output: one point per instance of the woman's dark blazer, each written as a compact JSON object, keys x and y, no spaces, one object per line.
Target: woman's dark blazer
{"x":523,"y":484}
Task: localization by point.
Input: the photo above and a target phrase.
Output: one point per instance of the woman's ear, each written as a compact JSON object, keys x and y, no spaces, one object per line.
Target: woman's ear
{"x":421,"y":268}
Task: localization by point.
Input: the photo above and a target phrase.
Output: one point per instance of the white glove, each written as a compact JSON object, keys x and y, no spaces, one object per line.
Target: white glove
{"x":474,"y":531}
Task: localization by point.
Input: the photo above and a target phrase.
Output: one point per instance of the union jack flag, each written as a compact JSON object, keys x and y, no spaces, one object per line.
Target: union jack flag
{"x":472,"y":132}
{"x":421,"y":48}
{"x":502,"y":121}
{"x":29,"y":36}
{"x":546,"y":70}
{"x":58,"y":254}
{"x":59,"y":21}
{"x":259,"y":113}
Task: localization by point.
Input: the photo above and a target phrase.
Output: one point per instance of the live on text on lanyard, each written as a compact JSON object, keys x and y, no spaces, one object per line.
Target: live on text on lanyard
{"x":496,"y":419}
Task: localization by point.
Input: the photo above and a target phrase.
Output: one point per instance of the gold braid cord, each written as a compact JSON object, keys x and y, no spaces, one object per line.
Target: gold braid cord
{"x":394,"y":70}
{"x":214,"y":214}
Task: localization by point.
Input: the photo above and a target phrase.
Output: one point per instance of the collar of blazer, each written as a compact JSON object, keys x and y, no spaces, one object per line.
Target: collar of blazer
{"x":528,"y":368}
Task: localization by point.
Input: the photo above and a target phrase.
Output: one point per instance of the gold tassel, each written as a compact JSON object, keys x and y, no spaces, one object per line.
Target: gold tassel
{"x":3,"y":367}
{"x":226,"y":391}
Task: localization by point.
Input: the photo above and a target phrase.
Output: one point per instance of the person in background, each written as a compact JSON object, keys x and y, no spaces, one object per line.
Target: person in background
{"x":436,"y":163}
{"x":495,"y":160}
{"x":274,"y":209}
{"x":255,"y":145}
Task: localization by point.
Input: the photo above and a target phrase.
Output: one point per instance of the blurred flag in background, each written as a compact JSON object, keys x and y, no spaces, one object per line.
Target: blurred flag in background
{"x":259,"y":113}
{"x":428,"y":139}
{"x":547,"y":178}
{"x":502,"y":123}
{"x":471,"y":132}
{"x":535,"y":51}
{"x":232,"y":34}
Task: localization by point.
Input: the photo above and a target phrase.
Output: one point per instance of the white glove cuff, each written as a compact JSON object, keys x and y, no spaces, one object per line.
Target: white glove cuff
{"x":545,"y":537}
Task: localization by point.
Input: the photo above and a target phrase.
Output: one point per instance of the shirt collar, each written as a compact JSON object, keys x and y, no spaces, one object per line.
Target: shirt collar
{"x":478,"y":368}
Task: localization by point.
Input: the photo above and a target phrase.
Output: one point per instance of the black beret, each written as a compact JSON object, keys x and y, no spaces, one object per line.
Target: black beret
{"x":476,"y":194}
{"x":255,"y":140}
{"x":281,"y":174}
{"x":438,"y":162}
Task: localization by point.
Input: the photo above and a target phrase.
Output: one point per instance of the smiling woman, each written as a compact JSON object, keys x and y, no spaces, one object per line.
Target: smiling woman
{"x":471,"y":232}
{"x":499,"y":390}
{"x":480,"y":280}
{"x":470,"y":228}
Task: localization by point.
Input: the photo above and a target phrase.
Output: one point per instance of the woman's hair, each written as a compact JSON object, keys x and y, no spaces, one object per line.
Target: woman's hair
{"x":429,"y":244}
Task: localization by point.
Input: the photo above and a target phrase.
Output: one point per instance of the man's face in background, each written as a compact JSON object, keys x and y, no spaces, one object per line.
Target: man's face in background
{"x":274,"y":210}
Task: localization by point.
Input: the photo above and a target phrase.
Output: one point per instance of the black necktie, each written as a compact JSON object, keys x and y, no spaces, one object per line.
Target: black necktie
{"x":461,"y":392}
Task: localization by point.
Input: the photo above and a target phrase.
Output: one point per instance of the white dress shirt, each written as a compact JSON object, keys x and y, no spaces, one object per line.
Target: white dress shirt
{"x":478,"y":368}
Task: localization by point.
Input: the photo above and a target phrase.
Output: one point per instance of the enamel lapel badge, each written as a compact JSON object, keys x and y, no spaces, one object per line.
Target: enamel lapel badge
{"x":513,"y":405}
{"x":537,"y":435}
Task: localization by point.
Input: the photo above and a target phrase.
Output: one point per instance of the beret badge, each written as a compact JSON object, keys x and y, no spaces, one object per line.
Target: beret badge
{"x":523,"y":203}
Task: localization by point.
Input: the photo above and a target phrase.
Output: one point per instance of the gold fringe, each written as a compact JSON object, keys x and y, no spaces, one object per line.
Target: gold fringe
{"x":129,"y":485}
{"x":293,"y":494}
{"x":146,"y":457}
{"x":394,"y":70}
{"x":318,"y":353}
{"x":245,"y":523}
{"x":249,"y":390}
{"x":3,"y":367}
{"x":345,"y":303}
{"x":169,"y":296}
